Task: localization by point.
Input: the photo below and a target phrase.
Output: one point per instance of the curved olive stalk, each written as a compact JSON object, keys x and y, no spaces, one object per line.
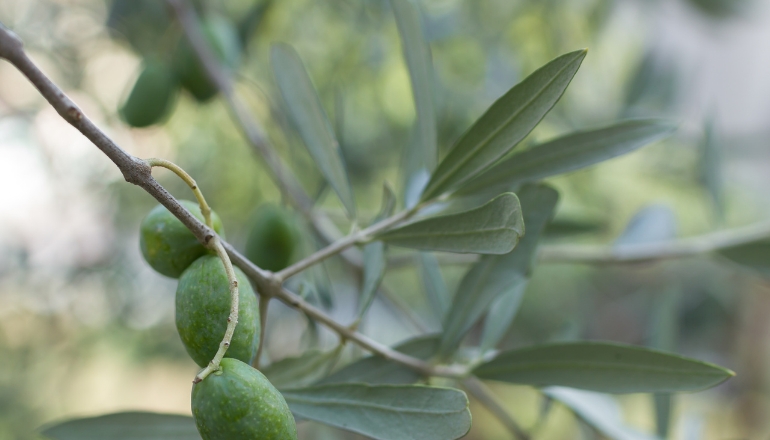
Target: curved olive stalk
{"x":216,"y":245}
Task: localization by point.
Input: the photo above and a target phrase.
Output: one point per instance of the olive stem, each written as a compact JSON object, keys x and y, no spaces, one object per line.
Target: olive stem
{"x":205,"y":209}
{"x":477,"y":389}
{"x":344,"y":243}
{"x":232,"y":319}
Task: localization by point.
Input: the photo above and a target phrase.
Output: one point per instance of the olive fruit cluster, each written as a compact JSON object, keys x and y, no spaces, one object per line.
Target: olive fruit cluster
{"x":237,"y":401}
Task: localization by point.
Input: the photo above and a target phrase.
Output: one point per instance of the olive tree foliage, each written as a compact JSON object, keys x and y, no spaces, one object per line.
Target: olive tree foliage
{"x":483,"y":197}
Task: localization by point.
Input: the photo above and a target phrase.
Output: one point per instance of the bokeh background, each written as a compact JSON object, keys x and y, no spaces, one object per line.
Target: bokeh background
{"x":86,"y":327}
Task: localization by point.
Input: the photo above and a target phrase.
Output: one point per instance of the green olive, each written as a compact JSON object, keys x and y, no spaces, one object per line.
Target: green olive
{"x":203,"y":305}
{"x":239,"y":403}
{"x":273,"y":239}
{"x":223,"y":39}
{"x":167,"y":245}
{"x":152,"y":95}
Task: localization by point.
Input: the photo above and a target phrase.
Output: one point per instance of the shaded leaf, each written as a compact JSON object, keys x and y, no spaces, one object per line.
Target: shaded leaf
{"x":494,"y":276}
{"x":303,"y":370}
{"x":385,"y":412}
{"x":374,"y":271}
{"x":505,"y":124}
{"x":125,"y":426}
{"x":603,"y":367}
{"x":309,"y":118}
{"x":710,"y":168}
{"x":754,"y":256}
{"x":600,"y":411}
{"x":418,"y":60}
{"x":501,"y":314}
{"x":493,"y":228}
{"x":569,"y":153}
{"x":435,"y":286}
{"x":378,"y":370}
{"x":664,"y":328}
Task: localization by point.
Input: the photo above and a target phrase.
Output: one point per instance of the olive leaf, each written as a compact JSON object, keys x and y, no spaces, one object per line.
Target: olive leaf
{"x":308,"y":115}
{"x":423,"y":153}
{"x":303,"y":370}
{"x":375,"y":255}
{"x":378,"y":370}
{"x":125,"y":426}
{"x":568,"y":153}
{"x":599,"y":411}
{"x":603,"y":367}
{"x":504,"y":125}
{"x":498,"y":275}
{"x":493,"y":228}
{"x":385,"y":412}
{"x":438,"y":294}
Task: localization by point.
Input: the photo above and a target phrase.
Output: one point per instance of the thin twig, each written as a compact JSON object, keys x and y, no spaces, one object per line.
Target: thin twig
{"x":138,"y":172}
{"x":176,"y":169}
{"x":480,"y":391}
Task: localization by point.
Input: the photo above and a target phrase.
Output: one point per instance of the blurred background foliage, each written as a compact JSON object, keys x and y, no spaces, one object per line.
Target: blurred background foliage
{"x":86,"y":327}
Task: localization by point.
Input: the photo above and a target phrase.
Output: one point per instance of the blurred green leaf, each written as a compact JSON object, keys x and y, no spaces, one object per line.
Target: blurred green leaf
{"x":664,"y":328}
{"x":568,"y":153}
{"x":418,"y":61}
{"x":125,"y":426}
{"x":385,"y":412}
{"x":493,"y":228}
{"x":710,"y":168}
{"x":378,"y":370}
{"x":435,"y":286}
{"x":309,"y":118}
{"x":374,"y":271}
{"x":303,"y":370}
{"x":504,"y":125}
{"x":501,"y":313}
{"x":249,"y":24}
{"x":600,"y":411}
{"x":494,"y":276}
{"x":754,"y":256}
{"x":654,"y":223}
{"x":603,"y":367}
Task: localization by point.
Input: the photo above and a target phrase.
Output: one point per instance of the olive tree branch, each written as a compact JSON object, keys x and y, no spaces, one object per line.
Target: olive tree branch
{"x":138,"y":172}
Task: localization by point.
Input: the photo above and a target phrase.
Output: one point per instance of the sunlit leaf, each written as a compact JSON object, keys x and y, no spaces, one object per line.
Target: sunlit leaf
{"x":493,"y":228}
{"x":418,"y":60}
{"x":125,"y":426}
{"x":495,"y":276}
{"x":378,"y":370}
{"x":308,"y":115}
{"x":385,"y":412}
{"x":303,"y":370}
{"x":568,"y":153}
{"x":600,"y":411}
{"x":754,"y":256}
{"x":603,"y":367}
{"x":505,"y":124}
{"x":438,"y":294}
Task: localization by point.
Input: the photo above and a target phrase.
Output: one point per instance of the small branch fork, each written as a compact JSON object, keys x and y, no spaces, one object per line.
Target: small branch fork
{"x":138,"y":172}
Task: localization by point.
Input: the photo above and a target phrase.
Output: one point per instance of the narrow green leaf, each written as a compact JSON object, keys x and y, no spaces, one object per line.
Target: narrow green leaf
{"x":125,"y":426}
{"x":603,"y":367}
{"x":494,"y":276}
{"x":385,"y":412}
{"x":303,"y":370}
{"x":378,"y":370}
{"x":599,"y":411}
{"x":374,"y":271}
{"x":710,"y":168}
{"x":309,"y":118}
{"x":754,"y":256}
{"x":493,"y":228}
{"x":435,"y":286}
{"x":418,"y":61}
{"x":663,"y":332}
{"x":504,"y":125}
{"x":569,"y":153}
{"x":654,"y":223}
{"x":501,"y":314}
